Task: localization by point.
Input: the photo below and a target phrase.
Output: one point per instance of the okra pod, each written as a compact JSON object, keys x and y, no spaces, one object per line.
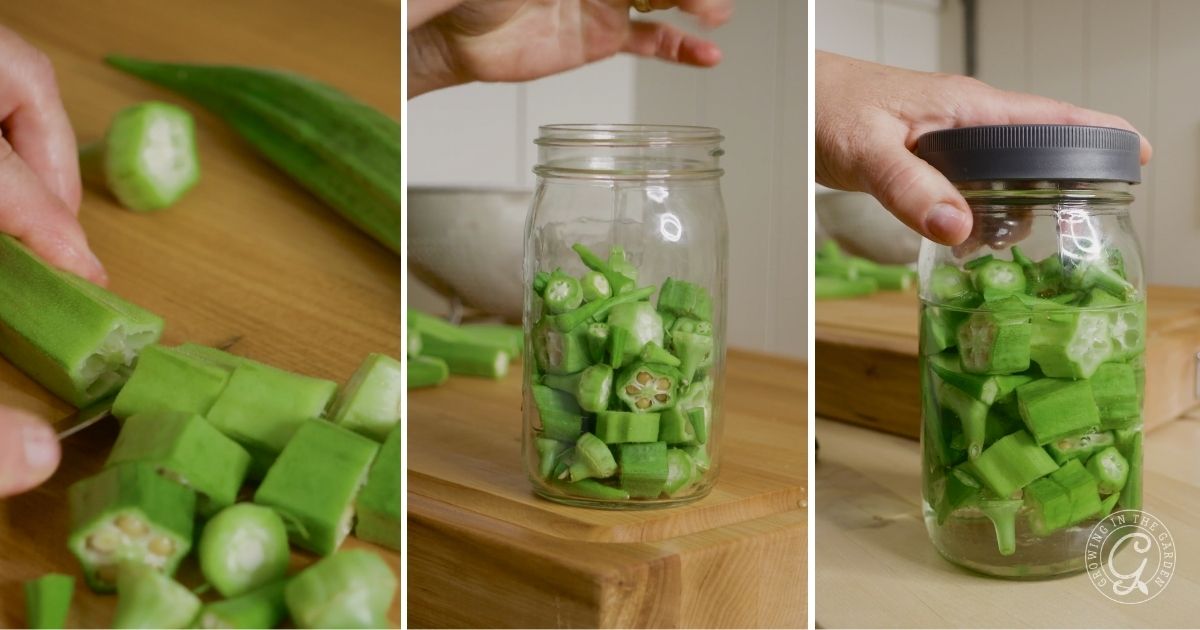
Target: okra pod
{"x":1049,"y":506}
{"x":1079,"y":447}
{"x":593,"y":455}
{"x":261,"y":608}
{"x":149,"y":599}
{"x":619,"y":279}
{"x":369,"y":404}
{"x":562,"y":418}
{"x":1056,"y":408}
{"x":995,"y":342}
{"x":74,"y":338}
{"x":378,"y":504}
{"x":648,"y":387}
{"x":591,"y":386}
{"x":168,"y":380}
{"x":510,"y":339}
{"x":618,"y":427}
{"x":1070,"y":344}
{"x":970,"y":412}
{"x":1003,"y":514}
{"x":598,"y":309}
{"x":562,"y":293}
{"x":467,"y":357}
{"x":1081,"y":488}
{"x":644,"y":468}
{"x":549,"y":451}
{"x":426,"y":372}
{"x":836,"y":288}
{"x":1131,"y":449}
{"x":998,"y":278}
{"x":1115,"y":390}
{"x":558,"y":352}
{"x":675,"y":427}
{"x":243,"y":547}
{"x":1012,"y":463}
{"x":350,"y":589}
{"x":1109,"y":469}
{"x":685,"y":299}
{"x":643,"y":324}
{"x":891,"y":277}
{"x":314,"y":482}
{"x":48,"y":600}
{"x":592,"y":489}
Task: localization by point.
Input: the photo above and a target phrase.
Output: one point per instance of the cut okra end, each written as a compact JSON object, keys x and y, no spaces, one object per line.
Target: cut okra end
{"x":243,"y":547}
{"x":148,"y":157}
{"x":148,"y":599}
{"x":369,"y":403}
{"x":349,"y":589}
{"x":48,"y":601}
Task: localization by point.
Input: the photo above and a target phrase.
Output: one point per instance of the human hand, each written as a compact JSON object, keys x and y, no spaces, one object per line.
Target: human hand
{"x":29,"y":451}
{"x":869,"y":117}
{"x":39,"y":163}
{"x":520,"y":40}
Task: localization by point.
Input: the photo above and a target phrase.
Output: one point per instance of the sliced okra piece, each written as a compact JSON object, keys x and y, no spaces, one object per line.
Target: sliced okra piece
{"x":891,"y":277}
{"x":1079,"y":447}
{"x":700,"y":458}
{"x":592,"y":489}
{"x":262,"y":407}
{"x":1115,"y":390}
{"x":186,"y":449}
{"x":149,"y":599}
{"x":558,"y":352}
{"x":147,"y":159}
{"x":378,"y":504}
{"x":995,"y":342}
{"x":971,"y":413}
{"x":598,"y":310}
{"x":350,"y":589}
{"x":621,"y":278}
{"x":975,"y":263}
{"x":695,"y":351}
{"x":1012,"y":463}
{"x":642,"y":322}
{"x":1127,"y":323}
{"x":562,"y":418}
{"x":1131,"y":448}
{"x":1053,"y":408}
{"x":129,"y":512}
{"x":999,"y":425}
{"x":74,"y":338}
{"x":549,"y":451}
{"x":619,"y":261}
{"x":1107,"y":504}
{"x":165,"y":379}
{"x":998,"y":278}
{"x":939,"y":329}
{"x":951,"y":286}
{"x":510,"y":339}
{"x":1049,"y":506}
{"x":218,"y":358}
{"x":617,"y":427}
{"x":539,"y":281}
{"x":1081,"y":488}
{"x":698,"y":417}
{"x":369,"y":404}
{"x":643,"y":468}
{"x":1110,"y":470}
{"x":597,"y":341}
{"x":413,"y":347}
{"x":262,"y":607}
{"x":468,"y":357}
{"x":595,"y":286}
{"x":591,"y":386}
{"x":675,"y":427}
{"x":592,"y":459}
{"x":986,"y":388}
{"x":843,"y":268}
{"x":48,"y":600}
{"x":426,"y":372}
{"x":685,"y":299}
{"x":1098,"y":274}
{"x":562,"y":293}
{"x":648,"y":387}
{"x":437,"y":331}
{"x":243,"y":547}
{"x":962,"y":490}
{"x":837,"y":288}
{"x":654,"y":353}
{"x":1003,"y":514}
{"x":935,"y":431}
{"x":313,"y":484}
{"x":618,"y":339}
{"x":1070,"y":344}
{"x":829,"y":250}
{"x":681,"y":472}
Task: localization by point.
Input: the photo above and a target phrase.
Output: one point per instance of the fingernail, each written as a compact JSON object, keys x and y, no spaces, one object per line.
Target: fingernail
{"x":41,"y":448}
{"x":101,"y":273}
{"x":945,"y":222}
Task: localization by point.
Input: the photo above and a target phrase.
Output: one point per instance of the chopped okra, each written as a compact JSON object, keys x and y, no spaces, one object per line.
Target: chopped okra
{"x":644,"y":468}
{"x":1109,"y":469}
{"x":48,"y":600}
{"x":426,"y":372}
{"x":648,"y":387}
{"x":590,"y":386}
{"x":148,"y":599}
{"x":369,"y":404}
{"x":262,"y":607}
{"x":619,"y":427}
{"x":166,"y":379}
{"x":349,"y":589}
{"x":562,"y":293}
{"x":378,"y":505}
{"x":243,"y":547}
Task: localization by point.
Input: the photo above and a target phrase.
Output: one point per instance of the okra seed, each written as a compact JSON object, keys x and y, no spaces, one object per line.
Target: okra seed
{"x":664,"y":384}
{"x":104,"y":541}
{"x":131,"y":525}
{"x":162,"y":546}
{"x":644,"y":377}
{"x":631,"y":390}
{"x":662,"y":398}
{"x":642,"y":403}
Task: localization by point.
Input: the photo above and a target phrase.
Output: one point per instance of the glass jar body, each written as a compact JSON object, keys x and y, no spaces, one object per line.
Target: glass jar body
{"x":623,"y":385}
{"x":1032,"y":376}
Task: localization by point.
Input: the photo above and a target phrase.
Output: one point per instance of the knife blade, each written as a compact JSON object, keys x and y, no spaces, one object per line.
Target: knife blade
{"x":84,"y":418}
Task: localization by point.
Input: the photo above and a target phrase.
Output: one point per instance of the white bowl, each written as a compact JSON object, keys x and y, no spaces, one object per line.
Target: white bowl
{"x":469,"y":242}
{"x":865,"y":228}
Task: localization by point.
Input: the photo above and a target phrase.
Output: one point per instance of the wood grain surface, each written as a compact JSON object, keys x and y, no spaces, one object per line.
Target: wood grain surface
{"x":477,"y":533}
{"x":867,"y":352}
{"x":246,"y":258}
{"x":877,"y":569}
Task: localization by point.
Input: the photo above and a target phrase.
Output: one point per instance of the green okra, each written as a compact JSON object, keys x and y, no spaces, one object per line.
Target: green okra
{"x":243,"y":547}
{"x":1131,"y":449}
{"x":681,"y":471}
{"x":188,"y":450}
{"x":654,"y":353}
{"x":597,"y":342}
{"x":891,"y":277}
{"x":1056,"y":408}
{"x":1081,"y":488}
{"x":215,"y":357}
{"x":1107,"y":504}
{"x":1003,"y":514}
{"x":262,"y":407}
{"x":961,"y":490}
{"x":643,"y":324}
{"x":975,"y":263}
{"x":829,"y":250}
{"x":835,"y":288}
{"x":695,"y":351}
{"x":562,"y":418}
{"x":1070,"y":344}
{"x":149,"y":599}
{"x":262,"y":607}
{"x":995,"y":342}
{"x":618,"y":427}
{"x":595,"y":286}
{"x":314,"y":482}
{"x":700,"y":458}
{"x":685,"y":299}
{"x":1098,"y":274}
{"x":970,"y":412}
{"x":618,"y":339}
{"x":74,"y":338}
{"x":939,"y":329}
{"x":998,"y":278}
{"x":948,"y":285}
{"x":378,"y":504}
{"x":1049,"y":506}
{"x":350,"y":589}
{"x":369,"y":404}
{"x":675,"y":427}
{"x":1012,"y":463}
{"x":935,"y":435}
{"x":549,"y":451}
{"x":1079,"y":447}
{"x":643,"y":468}
{"x":540,"y":279}
{"x":129,"y":512}
{"x":147,"y":159}
{"x":621,"y":276}
{"x":592,"y":489}
{"x":986,"y":388}
{"x":1115,"y":390}
{"x":562,"y":293}
{"x":591,"y":386}
{"x":842,"y":268}
{"x":648,"y":387}
{"x":413,"y":347}
{"x":48,"y":600}
{"x":467,"y":357}
{"x":594,"y":311}
{"x":1110,"y":470}
{"x":426,"y":372}
{"x":593,"y":460}
{"x":168,"y":380}
{"x":510,"y":339}
{"x":698,"y":417}
{"x":558,"y":352}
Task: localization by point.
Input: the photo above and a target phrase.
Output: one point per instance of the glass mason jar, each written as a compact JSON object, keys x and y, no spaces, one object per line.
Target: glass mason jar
{"x":1032,"y":344}
{"x":625,"y":274}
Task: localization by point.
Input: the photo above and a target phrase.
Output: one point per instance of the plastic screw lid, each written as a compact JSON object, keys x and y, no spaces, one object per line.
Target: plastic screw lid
{"x":1033,"y":152}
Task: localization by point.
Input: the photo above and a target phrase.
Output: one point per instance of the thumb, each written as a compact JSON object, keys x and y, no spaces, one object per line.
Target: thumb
{"x":29,"y":451}
{"x":916,"y":193}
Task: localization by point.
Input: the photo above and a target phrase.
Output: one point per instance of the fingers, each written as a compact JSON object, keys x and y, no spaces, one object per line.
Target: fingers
{"x":654,"y":39}
{"x":916,"y":193}
{"x":711,"y":13}
{"x":38,"y":218}
{"x":29,"y":451}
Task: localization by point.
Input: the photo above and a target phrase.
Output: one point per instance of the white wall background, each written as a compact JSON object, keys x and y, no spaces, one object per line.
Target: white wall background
{"x":483,"y":134}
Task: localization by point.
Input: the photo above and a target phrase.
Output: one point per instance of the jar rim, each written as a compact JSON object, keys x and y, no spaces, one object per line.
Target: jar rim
{"x":625,"y":135}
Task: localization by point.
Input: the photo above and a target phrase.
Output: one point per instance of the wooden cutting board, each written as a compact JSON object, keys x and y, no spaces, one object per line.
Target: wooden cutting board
{"x":246,"y":258}
{"x":867,"y":352}
{"x":485,"y":552}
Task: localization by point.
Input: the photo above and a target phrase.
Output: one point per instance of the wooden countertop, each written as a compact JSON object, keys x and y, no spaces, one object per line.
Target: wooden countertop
{"x":246,"y":257}
{"x":478,"y":534}
{"x":877,"y":568}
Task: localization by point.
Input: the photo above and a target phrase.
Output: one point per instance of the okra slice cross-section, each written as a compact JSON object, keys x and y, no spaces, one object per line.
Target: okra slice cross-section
{"x":995,"y":342}
{"x":590,"y":387}
{"x":350,"y":589}
{"x":378,"y":504}
{"x":243,"y":547}
{"x":369,"y":404}
{"x":1070,"y":344}
{"x":149,"y":599}
{"x":644,"y":469}
{"x":648,"y":387}
{"x":1110,"y":470}
{"x":48,"y":600}
{"x":166,"y":379}
{"x":1012,"y":463}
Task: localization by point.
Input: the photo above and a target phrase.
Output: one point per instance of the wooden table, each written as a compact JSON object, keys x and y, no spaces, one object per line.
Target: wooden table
{"x":877,"y":568}
{"x":485,"y":552}
{"x":247,"y":257}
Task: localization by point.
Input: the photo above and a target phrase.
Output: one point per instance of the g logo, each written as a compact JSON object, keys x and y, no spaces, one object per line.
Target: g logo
{"x":1130,"y":556}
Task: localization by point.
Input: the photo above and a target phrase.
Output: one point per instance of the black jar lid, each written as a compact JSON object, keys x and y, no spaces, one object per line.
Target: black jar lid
{"x":1033,"y":152}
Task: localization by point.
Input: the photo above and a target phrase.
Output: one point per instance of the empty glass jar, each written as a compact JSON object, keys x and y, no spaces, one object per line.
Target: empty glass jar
{"x":625,"y":275}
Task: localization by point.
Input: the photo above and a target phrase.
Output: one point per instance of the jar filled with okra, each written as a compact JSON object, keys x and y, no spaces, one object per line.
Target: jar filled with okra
{"x":625,"y":274}
{"x":1032,"y":347}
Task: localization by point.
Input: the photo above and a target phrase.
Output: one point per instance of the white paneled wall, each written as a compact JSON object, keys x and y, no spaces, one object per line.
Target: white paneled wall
{"x":1134,"y":58}
{"x":483,"y":134}
{"x":905,"y":33}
